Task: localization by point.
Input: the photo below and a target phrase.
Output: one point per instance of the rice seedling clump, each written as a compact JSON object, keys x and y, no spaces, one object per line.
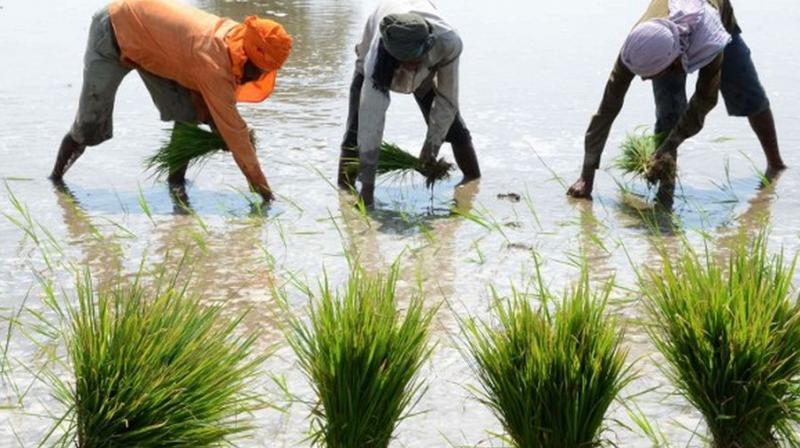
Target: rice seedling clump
{"x":362,"y":359}
{"x":730,"y":333}
{"x":154,"y":369}
{"x":550,"y":375}
{"x":394,"y":160}
{"x":638,"y":149}
{"x":189,"y":145}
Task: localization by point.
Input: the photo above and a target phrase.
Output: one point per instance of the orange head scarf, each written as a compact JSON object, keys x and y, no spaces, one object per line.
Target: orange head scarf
{"x":264,"y":43}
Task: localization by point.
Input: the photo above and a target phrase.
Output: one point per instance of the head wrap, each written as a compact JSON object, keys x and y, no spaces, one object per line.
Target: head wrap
{"x":267,"y":45}
{"x":406,"y":36}
{"x":693,"y":33}
{"x":652,"y":47}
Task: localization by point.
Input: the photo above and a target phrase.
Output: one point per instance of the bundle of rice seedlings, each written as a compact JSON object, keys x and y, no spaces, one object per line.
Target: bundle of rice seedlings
{"x":550,"y":375}
{"x":189,"y":144}
{"x":394,"y":160}
{"x":730,"y":334}
{"x":362,"y":359}
{"x":155,"y":369}
{"x":638,"y":149}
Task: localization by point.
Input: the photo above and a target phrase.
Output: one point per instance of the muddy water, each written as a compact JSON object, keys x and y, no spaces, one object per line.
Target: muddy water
{"x":532,"y":73}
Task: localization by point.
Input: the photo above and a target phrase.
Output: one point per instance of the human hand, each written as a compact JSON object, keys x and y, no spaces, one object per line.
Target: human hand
{"x":265,"y":192}
{"x":427,"y":156}
{"x":428,"y":162}
{"x":662,"y":166}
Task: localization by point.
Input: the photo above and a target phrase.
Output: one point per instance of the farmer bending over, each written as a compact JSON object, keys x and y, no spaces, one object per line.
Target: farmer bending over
{"x":195,"y":65}
{"x":676,"y":37}
{"x":406,"y":48}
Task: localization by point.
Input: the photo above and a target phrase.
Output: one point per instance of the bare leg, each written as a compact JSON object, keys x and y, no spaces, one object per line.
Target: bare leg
{"x":180,"y":200}
{"x":745,"y":97}
{"x":763,"y":124}
{"x":177,"y":176}
{"x":177,"y":186}
{"x":466,"y":159}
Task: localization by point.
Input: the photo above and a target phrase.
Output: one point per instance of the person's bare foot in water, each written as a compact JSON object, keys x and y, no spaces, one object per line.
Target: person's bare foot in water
{"x":771,"y":175}
{"x":763,"y":124}
{"x":68,"y":152}
{"x":582,"y":188}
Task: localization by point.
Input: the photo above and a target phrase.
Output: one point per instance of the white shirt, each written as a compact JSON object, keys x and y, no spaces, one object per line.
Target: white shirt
{"x":438,"y":71}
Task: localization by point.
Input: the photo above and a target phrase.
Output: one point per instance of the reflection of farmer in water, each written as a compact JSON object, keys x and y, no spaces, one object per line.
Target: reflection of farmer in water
{"x":195,"y":65}
{"x":406,"y":48}
{"x":676,"y":37}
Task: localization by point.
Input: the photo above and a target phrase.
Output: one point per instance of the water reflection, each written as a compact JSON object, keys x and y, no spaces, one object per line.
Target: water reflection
{"x":594,"y":249}
{"x":430,"y":260}
{"x":717,"y":217}
{"x":752,"y":222}
{"x":226,"y":266}
{"x":220,"y":265}
{"x":695,"y":208}
{"x":102,"y":254}
{"x":359,"y":237}
{"x":653,"y":221}
{"x":440,"y":260}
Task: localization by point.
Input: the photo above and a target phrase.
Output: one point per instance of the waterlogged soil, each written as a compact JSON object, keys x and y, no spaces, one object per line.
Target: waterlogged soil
{"x":531,"y":75}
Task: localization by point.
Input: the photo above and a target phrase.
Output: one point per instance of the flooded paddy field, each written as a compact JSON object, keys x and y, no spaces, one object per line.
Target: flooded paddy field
{"x":532,"y":73}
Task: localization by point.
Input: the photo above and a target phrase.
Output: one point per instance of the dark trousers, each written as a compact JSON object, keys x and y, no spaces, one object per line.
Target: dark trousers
{"x":458,"y":135}
{"x":740,"y":88}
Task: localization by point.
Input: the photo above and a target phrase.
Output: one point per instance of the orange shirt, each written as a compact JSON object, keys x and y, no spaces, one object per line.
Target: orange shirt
{"x":187,"y":45}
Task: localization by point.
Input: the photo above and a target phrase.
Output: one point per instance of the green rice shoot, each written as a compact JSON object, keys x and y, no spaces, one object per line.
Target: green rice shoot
{"x":550,"y":373}
{"x":362,"y":359}
{"x":730,"y":334}
{"x":638,"y":149}
{"x":393,"y":160}
{"x":153,"y":367}
{"x":189,"y":145}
